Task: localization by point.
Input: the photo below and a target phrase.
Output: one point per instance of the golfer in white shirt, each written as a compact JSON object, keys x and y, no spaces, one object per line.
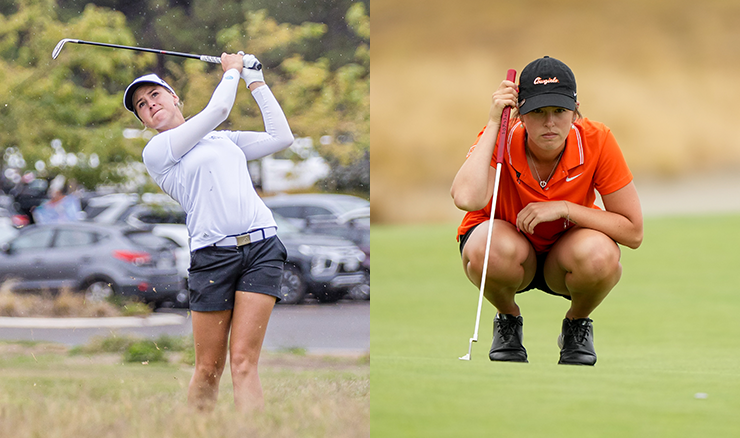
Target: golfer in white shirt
{"x":236,"y":257}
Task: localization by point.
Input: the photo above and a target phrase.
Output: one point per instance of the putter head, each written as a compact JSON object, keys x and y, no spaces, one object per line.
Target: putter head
{"x":59,"y":46}
{"x":470,"y":349}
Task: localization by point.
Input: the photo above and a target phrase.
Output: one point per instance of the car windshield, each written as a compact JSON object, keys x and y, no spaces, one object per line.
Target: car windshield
{"x":351,"y":204}
{"x":160,"y":214}
{"x":148,"y":240}
{"x":92,"y":211}
{"x":285,"y":227}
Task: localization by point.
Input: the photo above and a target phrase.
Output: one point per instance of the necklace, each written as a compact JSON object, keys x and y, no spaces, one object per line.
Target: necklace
{"x":543,"y":183}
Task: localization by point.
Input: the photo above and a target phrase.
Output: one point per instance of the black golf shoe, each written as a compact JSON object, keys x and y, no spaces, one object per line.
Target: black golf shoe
{"x":507,"y":339}
{"x":576,"y":342}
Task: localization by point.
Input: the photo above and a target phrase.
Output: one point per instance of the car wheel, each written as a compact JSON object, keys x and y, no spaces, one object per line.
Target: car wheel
{"x":292,"y":286}
{"x":99,"y":291}
{"x":327,"y":295}
{"x":361,"y":291}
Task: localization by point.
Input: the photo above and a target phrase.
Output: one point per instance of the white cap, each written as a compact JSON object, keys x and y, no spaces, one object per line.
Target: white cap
{"x":128,"y":96}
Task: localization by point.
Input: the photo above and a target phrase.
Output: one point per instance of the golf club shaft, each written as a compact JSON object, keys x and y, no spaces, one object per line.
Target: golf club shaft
{"x":205,"y":58}
{"x":503,"y":130}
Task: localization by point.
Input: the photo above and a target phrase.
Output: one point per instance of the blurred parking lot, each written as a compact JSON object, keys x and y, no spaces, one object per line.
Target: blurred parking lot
{"x":123,"y":244}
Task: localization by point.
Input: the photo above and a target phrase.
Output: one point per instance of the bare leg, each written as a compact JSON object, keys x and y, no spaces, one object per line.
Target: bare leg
{"x":583,"y":264}
{"x":211,"y":334}
{"x":511,"y":264}
{"x":251,"y":314}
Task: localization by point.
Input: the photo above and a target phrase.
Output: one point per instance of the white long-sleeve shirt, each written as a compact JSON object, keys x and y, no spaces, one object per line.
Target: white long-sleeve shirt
{"x":206,"y":170}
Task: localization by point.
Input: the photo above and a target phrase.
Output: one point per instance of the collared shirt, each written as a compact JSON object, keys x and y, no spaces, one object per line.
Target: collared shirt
{"x":591,"y":161}
{"x":206,"y":171}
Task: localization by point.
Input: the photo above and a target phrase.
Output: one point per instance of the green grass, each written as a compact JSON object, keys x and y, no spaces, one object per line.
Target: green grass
{"x":668,"y":331}
{"x":47,"y":392}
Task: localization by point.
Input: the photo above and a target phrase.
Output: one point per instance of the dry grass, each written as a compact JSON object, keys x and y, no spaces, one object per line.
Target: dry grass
{"x":65,"y":303}
{"x":44,"y":392}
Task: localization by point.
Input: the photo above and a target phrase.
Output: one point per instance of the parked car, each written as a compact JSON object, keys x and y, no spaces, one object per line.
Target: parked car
{"x":99,"y":260}
{"x":353,"y":225}
{"x":7,"y":229}
{"x":299,"y":208}
{"x":342,"y":260}
{"x":156,"y":213}
{"x":326,"y":267}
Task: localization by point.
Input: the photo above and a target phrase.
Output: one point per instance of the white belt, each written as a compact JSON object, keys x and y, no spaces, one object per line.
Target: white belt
{"x":247,"y":238}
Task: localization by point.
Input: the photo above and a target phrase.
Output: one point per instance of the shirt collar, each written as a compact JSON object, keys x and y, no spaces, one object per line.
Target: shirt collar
{"x":517,"y":157}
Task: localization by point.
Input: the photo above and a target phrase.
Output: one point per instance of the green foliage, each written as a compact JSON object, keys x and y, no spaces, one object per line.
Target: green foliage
{"x":75,"y":98}
{"x":105,"y":344}
{"x":316,"y":58}
{"x":143,"y":351}
{"x":135,"y":308}
{"x":173,"y":343}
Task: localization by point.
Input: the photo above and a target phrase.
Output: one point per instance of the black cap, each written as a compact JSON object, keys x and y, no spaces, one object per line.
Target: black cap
{"x":546,"y":82}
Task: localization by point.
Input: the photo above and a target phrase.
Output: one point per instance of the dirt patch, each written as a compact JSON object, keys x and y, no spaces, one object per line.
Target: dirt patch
{"x":300,"y":362}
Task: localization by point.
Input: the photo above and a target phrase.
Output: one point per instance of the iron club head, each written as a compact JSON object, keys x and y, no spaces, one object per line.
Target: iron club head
{"x":59,"y":46}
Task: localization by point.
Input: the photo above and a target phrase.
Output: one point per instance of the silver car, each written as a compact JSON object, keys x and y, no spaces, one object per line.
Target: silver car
{"x":101,"y":261}
{"x":301,"y":208}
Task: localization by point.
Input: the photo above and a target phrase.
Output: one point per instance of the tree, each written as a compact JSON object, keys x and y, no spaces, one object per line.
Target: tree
{"x":331,"y":107}
{"x":75,"y":99}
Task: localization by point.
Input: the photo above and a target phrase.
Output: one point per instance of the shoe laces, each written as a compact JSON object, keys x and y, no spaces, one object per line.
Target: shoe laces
{"x":507,"y":327}
{"x":578,"y":329}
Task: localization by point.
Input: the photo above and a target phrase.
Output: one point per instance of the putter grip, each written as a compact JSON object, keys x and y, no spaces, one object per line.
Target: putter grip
{"x":504,"y":128}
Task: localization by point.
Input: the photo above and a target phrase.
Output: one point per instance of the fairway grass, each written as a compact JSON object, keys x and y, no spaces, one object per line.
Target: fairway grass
{"x":44,"y":392}
{"x":667,"y":339}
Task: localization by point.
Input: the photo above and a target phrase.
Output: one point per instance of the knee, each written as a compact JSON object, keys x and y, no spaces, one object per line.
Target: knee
{"x":209,"y":371}
{"x":504,"y":252}
{"x":597,"y":257}
{"x":243,"y":364}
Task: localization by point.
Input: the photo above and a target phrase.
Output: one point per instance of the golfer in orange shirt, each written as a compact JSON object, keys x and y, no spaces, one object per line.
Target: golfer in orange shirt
{"x":548,"y":233}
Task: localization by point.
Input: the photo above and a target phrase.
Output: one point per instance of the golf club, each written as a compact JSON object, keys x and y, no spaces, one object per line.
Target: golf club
{"x":503,"y":130}
{"x":204,"y":58}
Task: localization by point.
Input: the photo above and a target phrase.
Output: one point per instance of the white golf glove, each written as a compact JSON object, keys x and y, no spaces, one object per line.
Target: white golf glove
{"x":249,"y":72}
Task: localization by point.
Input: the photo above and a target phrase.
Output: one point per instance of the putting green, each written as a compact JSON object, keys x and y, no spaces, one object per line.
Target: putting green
{"x":667,"y":339}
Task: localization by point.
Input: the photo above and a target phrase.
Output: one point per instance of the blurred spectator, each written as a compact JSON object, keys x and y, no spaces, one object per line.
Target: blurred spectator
{"x":61,"y":205}
{"x":29,"y":193}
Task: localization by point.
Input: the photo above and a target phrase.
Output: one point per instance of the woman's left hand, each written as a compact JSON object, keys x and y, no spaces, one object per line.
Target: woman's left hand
{"x":229,"y":61}
{"x":537,"y":212}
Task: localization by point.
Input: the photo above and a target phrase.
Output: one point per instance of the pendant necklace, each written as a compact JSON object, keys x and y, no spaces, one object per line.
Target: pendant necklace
{"x":543,"y":184}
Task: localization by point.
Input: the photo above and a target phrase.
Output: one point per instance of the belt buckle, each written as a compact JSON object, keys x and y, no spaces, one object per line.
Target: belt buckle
{"x":244,"y":239}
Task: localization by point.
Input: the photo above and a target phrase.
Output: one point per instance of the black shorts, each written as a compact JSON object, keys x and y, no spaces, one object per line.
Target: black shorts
{"x":217,"y":272}
{"x":538,"y":282}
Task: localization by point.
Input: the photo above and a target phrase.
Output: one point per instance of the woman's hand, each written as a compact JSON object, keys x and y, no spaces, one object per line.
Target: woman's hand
{"x":537,"y":212}
{"x":229,"y":61}
{"x":506,"y":95}
{"x":252,"y":76}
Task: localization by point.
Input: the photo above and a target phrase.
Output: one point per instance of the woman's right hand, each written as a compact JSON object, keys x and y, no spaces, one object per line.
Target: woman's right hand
{"x":229,"y":61}
{"x":506,"y":95}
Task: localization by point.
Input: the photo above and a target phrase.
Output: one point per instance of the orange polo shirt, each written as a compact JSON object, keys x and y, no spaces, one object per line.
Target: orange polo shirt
{"x":591,"y":161}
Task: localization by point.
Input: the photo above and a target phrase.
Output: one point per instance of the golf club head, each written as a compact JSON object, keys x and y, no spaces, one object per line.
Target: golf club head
{"x":470,"y":349}
{"x":59,"y":46}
